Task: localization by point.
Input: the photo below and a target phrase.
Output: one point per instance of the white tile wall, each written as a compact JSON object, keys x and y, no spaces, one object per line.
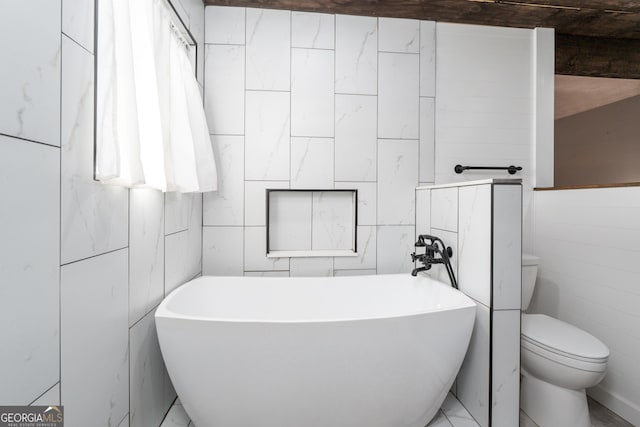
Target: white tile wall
{"x":444,"y":209}
{"x":255,"y":252}
{"x":398,"y":96}
{"x":95,"y":339}
{"x":335,"y":121}
{"x":78,"y":20}
{"x":427,"y":58}
{"x":397,"y":179}
{"x":356,"y":55}
{"x":312,"y":161}
{"x":312,"y":30}
{"x":332,"y":222}
{"x":366,"y":200}
{"x":427,"y":139}
{"x":226,"y":206}
{"x":312,"y":92}
{"x":356,"y":137}
{"x":94,"y":216}
{"x":505,"y":375}
{"x":225,"y":25}
{"x":474,"y":277}
{"x":255,"y":200}
{"x":399,"y":35}
{"x":423,"y":212}
{"x":311,"y":267}
{"x":290,"y":226}
{"x":473,"y":379}
{"x":366,"y":259}
{"x":507,"y":247}
{"x":146,"y":252}
{"x":30,"y":91}
{"x":268,"y":41}
{"x":224,"y":97}
{"x":50,"y":397}
{"x":147,"y":375}
{"x":222,"y":251}
{"x":394,"y":246}
{"x":176,"y":268}
{"x":29,"y":269}
{"x":267,"y":140}
{"x":80,"y":347}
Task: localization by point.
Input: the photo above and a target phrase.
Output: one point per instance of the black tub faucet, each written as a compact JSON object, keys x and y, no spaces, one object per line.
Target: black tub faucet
{"x":435,"y":252}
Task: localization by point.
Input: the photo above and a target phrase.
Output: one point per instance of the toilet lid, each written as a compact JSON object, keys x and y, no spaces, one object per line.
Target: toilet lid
{"x":562,"y":338}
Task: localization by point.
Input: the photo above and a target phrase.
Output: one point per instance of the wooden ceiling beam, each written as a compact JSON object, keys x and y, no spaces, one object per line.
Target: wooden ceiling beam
{"x":597,"y":57}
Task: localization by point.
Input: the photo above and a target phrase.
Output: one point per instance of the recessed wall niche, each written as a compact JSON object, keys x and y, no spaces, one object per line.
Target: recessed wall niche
{"x":311,"y":223}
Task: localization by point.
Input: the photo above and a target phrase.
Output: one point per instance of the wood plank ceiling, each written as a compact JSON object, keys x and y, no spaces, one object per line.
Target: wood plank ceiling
{"x":593,"y":37}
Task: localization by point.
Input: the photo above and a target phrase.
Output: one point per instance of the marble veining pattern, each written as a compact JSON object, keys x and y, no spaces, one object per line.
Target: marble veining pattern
{"x":397,"y":179}
{"x":222,"y":251}
{"x":30,"y":90}
{"x":366,"y":200}
{"x":78,"y":21}
{"x":312,"y":162}
{"x":146,"y":252}
{"x":226,"y":206}
{"x":29,"y":269}
{"x":428,"y":58}
{"x":224,"y":99}
{"x":225,"y":25}
{"x":399,"y":35}
{"x":255,"y":258}
{"x":94,"y":318}
{"x":356,"y":137}
{"x":147,"y":375}
{"x":474,"y":211}
{"x":94,"y":216}
{"x":394,"y":244}
{"x":255,"y":200}
{"x":312,"y":30}
{"x":268,"y":45}
{"x":290,"y":221}
{"x":332,"y":220}
{"x":267,"y":139}
{"x":312,"y":92}
{"x":398,"y":100}
{"x":356,"y":54}
{"x":444,"y":209}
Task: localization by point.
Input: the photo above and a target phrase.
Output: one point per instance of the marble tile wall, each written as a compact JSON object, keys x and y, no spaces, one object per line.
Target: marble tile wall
{"x":82,"y":265}
{"x":316,"y":101}
{"x":482,"y":225}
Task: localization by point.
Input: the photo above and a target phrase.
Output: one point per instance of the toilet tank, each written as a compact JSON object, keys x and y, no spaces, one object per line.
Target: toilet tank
{"x":529,"y":273}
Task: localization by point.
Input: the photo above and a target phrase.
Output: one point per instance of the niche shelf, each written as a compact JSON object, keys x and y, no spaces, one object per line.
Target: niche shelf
{"x":311,"y":222}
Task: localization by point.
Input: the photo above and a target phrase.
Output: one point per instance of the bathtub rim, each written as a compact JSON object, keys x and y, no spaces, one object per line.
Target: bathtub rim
{"x":163,"y":312}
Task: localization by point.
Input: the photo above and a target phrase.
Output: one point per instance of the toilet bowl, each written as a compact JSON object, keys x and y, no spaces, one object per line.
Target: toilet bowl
{"x":559,"y":361}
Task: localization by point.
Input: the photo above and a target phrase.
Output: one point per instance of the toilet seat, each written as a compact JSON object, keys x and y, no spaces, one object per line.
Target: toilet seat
{"x":563,"y":343}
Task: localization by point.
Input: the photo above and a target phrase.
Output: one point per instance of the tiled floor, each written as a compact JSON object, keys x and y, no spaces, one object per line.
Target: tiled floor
{"x":452,"y":414}
{"x":600,"y":417}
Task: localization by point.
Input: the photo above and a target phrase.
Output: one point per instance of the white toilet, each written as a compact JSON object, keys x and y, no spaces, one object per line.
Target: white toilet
{"x":559,"y":361}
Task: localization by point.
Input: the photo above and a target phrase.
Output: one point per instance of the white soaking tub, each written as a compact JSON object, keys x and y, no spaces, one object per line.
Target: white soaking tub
{"x":360,"y":351}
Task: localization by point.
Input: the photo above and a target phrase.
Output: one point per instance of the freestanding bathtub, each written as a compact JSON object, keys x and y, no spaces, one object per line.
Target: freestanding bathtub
{"x":362,"y":351}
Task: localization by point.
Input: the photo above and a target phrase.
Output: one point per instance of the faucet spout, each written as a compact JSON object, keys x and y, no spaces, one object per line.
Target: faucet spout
{"x":435,"y":253}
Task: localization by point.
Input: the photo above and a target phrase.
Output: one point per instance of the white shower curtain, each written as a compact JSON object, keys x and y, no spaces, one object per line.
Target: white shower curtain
{"x":151,"y":127}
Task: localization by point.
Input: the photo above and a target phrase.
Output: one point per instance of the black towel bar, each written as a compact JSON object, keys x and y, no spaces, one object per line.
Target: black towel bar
{"x":511,"y":169}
